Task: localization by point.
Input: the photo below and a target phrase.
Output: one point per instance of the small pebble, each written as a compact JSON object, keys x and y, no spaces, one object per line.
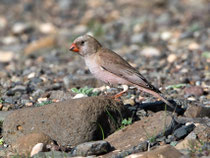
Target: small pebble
{"x":193,"y":46}
{"x":36,"y":149}
{"x":1,"y":106}
{"x":9,"y":40}
{"x":194,"y":90}
{"x":171,"y":58}
{"x":19,"y":28}
{"x":40,"y":100}
{"x":165,"y":36}
{"x":47,"y":28}
{"x":80,"y":95}
{"x":6,"y":56}
{"x":150,"y":52}
{"x":129,"y":101}
{"x":191,"y":99}
{"x":31,"y":75}
{"x":3,"y":22}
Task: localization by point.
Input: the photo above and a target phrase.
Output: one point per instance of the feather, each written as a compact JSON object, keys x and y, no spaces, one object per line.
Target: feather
{"x":116,"y":65}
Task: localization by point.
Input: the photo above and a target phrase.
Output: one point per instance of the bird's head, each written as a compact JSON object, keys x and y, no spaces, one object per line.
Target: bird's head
{"x":85,"y":45}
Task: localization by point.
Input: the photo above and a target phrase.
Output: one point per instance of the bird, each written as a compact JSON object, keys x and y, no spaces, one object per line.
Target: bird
{"x":111,"y":68}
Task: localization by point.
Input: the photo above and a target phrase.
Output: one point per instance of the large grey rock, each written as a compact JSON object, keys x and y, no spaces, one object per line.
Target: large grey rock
{"x":69,"y":123}
{"x":91,"y":148}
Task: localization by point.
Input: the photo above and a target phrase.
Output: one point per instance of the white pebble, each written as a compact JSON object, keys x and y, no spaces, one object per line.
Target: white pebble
{"x":31,"y":75}
{"x":150,"y":52}
{"x":6,"y":56}
{"x":36,"y":149}
{"x":171,"y":58}
{"x":165,"y":36}
{"x":80,"y":95}
{"x":47,"y":28}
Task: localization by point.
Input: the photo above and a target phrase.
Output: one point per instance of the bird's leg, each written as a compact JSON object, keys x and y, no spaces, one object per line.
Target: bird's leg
{"x":125,"y":89}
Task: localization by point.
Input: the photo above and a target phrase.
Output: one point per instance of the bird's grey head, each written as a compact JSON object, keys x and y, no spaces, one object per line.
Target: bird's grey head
{"x":85,"y":45}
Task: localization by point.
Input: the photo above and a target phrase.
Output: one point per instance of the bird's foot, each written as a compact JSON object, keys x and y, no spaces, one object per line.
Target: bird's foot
{"x":116,"y":97}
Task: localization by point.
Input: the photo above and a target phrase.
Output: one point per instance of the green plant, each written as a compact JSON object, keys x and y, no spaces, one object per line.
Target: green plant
{"x":43,"y":103}
{"x":102,"y":131}
{"x":1,"y":141}
{"x":126,"y":122}
{"x":151,"y":138}
{"x":194,"y":27}
{"x":1,"y":101}
{"x":112,"y":118}
{"x":176,"y":86}
{"x":86,"y":90}
{"x":206,"y":54}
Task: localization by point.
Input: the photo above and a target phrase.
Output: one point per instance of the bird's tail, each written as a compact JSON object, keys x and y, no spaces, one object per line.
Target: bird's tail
{"x":157,"y":95}
{"x":164,"y":100}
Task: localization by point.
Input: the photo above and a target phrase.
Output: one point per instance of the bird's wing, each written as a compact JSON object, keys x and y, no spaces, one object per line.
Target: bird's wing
{"x":113,"y":63}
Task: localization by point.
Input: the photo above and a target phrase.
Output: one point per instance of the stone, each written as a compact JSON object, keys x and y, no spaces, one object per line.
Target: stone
{"x":9,"y":40}
{"x":138,"y":38}
{"x":73,"y":121}
{"x":19,"y":28}
{"x":47,"y":28}
{"x":171,"y":58}
{"x":183,"y":131}
{"x":166,"y":151}
{"x":37,"y":93}
{"x":36,"y":149}
{"x":139,"y":131}
{"x":194,"y":111}
{"x":24,"y":144}
{"x":193,"y":46}
{"x":129,"y":101}
{"x":80,"y":95}
{"x":6,"y":56}
{"x":150,"y":52}
{"x":194,"y":90}
{"x":3,"y":22}
{"x":165,"y":35}
{"x":31,"y":75}
{"x":18,"y":88}
{"x":91,"y":148}
{"x":141,"y":147}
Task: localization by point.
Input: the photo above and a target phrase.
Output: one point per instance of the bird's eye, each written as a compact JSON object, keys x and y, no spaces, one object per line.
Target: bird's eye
{"x":82,"y":42}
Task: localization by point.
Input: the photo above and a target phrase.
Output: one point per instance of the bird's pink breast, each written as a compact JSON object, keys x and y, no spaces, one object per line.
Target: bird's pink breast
{"x":102,"y":74}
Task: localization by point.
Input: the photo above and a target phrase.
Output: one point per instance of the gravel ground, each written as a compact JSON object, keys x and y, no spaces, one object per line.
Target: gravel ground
{"x":167,"y":41}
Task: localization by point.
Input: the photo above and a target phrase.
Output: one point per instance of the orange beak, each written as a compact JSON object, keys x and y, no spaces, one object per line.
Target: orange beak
{"x":74,"y":48}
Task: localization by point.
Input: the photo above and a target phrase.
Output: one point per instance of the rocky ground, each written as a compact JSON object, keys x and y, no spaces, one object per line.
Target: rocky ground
{"x":167,"y":41}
